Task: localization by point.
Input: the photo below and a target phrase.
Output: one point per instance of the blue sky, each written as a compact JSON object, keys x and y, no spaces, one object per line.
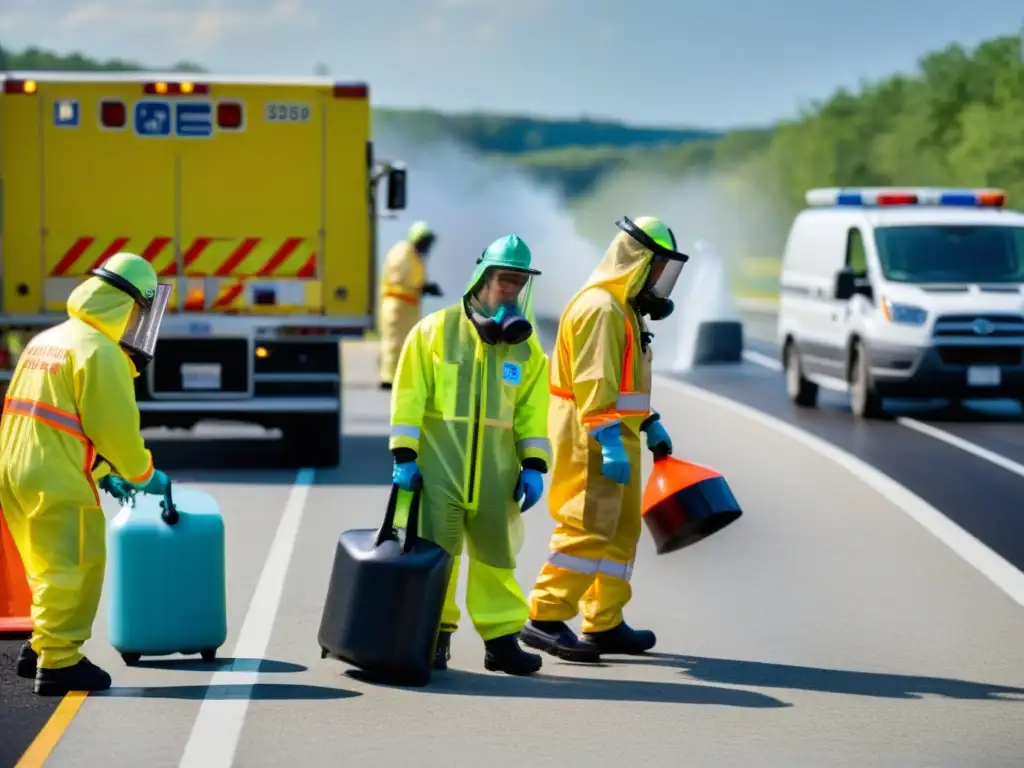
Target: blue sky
{"x":689,"y":62}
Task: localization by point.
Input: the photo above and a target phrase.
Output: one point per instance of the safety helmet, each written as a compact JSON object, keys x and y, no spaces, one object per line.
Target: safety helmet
{"x":420,"y":233}
{"x":657,"y":237}
{"x":136,"y":277}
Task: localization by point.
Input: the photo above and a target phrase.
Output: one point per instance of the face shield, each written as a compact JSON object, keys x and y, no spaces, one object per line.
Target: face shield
{"x":662,"y":275}
{"x":140,"y":334}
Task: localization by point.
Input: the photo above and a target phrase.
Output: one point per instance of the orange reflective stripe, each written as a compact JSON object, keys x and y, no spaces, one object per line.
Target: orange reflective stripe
{"x":145,"y":476}
{"x":629,"y":401}
{"x":409,"y":297}
{"x":46,"y":414}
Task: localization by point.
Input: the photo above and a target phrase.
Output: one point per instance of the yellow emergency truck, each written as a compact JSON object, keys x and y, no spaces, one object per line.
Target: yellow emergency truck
{"x":255,"y":197}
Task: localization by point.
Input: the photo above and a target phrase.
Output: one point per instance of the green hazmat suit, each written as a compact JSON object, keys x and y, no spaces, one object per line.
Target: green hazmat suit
{"x":474,"y":414}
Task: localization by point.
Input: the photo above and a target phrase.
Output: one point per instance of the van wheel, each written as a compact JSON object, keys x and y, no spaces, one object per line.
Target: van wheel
{"x":864,"y":401}
{"x":801,"y":391}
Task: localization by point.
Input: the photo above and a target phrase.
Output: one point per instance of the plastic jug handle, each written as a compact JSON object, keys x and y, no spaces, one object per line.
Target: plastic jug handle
{"x":387,"y":529}
{"x":660,"y":452}
{"x":170,"y":512}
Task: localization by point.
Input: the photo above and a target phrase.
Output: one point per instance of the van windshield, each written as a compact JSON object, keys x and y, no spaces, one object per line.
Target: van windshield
{"x":951,"y":253}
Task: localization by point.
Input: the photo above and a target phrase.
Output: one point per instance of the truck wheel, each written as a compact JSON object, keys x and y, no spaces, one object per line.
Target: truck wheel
{"x":864,"y":401}
{"x":799,"y":390}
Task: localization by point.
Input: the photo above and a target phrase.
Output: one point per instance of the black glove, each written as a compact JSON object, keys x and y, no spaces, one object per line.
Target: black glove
{"x":431,"y":289}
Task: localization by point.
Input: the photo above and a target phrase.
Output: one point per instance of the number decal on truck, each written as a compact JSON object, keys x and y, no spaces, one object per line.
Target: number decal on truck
{"x":278,"y":112}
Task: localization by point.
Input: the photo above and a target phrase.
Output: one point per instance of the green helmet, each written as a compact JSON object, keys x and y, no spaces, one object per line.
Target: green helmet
{"x":509,"y":252}
{"x":658,"y":231}
{"x":420,"y":230}
{"x":132,"y":274}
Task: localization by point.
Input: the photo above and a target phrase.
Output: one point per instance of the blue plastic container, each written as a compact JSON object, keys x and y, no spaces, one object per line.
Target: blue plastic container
{"x":165,"y":579}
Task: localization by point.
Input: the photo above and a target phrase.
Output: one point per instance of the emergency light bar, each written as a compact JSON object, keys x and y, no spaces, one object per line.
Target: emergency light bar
{"x":879,"y":196}
{"x":184,"y":88}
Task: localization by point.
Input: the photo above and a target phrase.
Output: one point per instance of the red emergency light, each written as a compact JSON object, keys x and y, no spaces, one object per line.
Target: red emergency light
{"x":351,"y":91}
{"x":896,"y":199}
{"x":229,"y":116}
{"x":113,"y":114}
{"x":20,"y":86}
{"x":184,"y":88}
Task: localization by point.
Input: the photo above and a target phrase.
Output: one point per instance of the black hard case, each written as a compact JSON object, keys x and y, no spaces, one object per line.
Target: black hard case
{"x":384,"y":601}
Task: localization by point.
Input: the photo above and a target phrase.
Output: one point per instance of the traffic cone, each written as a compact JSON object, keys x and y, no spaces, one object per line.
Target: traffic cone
{"x":15,"y":596}
{"x":684,"y":503}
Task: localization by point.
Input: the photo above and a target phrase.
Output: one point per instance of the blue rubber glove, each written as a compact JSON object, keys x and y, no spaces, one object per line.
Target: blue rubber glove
{"x":615,"y":464}
{"x":157,"y":484}
{"x":118,"y":487}
{"x":658,"y":437}
{"x":406,"y":476}
{"x":529,"y":488}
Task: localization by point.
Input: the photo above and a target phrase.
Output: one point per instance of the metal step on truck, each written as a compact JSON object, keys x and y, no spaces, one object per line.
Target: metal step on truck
{"x":255,"y":197}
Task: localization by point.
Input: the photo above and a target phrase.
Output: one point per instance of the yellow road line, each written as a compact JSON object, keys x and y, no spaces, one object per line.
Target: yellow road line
{"x":39,"y":750}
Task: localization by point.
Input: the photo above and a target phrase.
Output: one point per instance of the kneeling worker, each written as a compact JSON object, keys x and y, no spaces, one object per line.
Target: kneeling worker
{"x":70,"y":416}
{"x":600,"y":407}
{"x":469,"y":426}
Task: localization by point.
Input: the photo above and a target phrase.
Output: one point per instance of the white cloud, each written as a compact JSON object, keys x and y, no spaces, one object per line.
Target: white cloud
{"x":194,"y":27}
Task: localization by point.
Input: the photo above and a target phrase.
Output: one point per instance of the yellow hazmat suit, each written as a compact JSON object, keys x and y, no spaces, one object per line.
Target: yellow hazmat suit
{"x":401,"y":297}
{"x":69,"y":416}
{"x":475,"y":414}
{"x":600,"y":374}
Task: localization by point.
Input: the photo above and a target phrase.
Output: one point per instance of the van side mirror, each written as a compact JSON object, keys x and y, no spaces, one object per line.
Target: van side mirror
{"x":846,"y":284}
{"x":396,"y":189}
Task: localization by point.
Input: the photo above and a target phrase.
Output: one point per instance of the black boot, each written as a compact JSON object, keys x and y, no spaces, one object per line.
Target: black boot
{"x":444,"y":650}
{"x":503,"y":654}
{"x":28,"y":661}
{"x":386,"y":386}
{"x":621,"y":639}
{"x":83,"y":676}
{"x":556,"y":638}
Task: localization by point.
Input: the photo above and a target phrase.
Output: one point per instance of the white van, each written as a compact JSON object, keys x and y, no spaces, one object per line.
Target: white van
{"x":905,"y":293}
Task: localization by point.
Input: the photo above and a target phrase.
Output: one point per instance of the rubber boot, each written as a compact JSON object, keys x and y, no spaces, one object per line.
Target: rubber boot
{"x":621,"y":639}
{"x":503,"y":654}
{"x":444,"y":650}
{"x":556,"y":638}
{"x":28,"y":661}
{"x":83,"y":676}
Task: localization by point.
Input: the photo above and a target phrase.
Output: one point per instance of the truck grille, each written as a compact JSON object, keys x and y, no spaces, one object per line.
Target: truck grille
{"x":233,"y":356}
{"x":980,"y":327}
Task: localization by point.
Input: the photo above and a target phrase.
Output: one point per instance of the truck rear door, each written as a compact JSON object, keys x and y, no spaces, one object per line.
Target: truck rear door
{"x":253,"y":195}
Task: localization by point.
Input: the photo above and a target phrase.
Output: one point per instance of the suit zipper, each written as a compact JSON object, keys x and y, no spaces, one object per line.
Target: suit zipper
{"x":471,"y":497}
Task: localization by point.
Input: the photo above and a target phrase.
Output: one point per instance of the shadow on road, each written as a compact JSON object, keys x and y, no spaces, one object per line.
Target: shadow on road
{"x":265,"y":666}
{"x":365,"y":460}
{"x":463,"y":683}
{"x":257,"y":692}
{"x":758,"y":674}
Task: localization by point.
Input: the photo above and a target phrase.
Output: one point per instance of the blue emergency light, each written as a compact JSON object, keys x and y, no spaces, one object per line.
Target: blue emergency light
{"x":891,"y":196}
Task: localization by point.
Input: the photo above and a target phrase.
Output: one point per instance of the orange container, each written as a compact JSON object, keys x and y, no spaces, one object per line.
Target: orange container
{"x":15,"y":596}
{"x":684,"y":503}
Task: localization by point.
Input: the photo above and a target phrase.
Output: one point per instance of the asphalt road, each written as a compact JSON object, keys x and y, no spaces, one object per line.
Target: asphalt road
{"x":826,"y":627}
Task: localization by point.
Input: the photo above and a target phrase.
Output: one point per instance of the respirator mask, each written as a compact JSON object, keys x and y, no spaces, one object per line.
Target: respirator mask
{"x":511,"y":290}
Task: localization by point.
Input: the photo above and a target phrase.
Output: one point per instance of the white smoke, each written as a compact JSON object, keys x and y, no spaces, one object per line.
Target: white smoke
{"x":470,"y":200}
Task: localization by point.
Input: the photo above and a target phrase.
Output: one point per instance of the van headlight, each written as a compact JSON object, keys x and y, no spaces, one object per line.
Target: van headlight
{"x":905,"y":314}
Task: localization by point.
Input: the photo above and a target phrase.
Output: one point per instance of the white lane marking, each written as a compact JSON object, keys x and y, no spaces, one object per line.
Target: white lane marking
{"x":963,"y":445}
{"x":988,"y":563}
{"x":218,"y":725}
{"x":765,"y":361}
{"x":967,"y":446}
